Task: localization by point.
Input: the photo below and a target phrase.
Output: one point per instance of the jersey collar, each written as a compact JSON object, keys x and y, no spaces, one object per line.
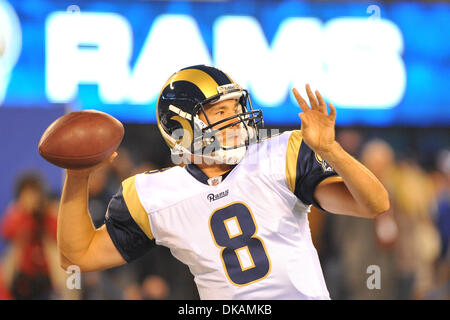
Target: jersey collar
{"x":198,"y":174}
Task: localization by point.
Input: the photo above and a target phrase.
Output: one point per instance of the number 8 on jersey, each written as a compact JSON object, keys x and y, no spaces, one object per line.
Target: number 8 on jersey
{"x":243,"y":254}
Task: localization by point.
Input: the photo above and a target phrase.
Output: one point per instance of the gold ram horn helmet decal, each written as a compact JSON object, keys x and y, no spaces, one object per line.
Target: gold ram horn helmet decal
{"x":187,"y":134}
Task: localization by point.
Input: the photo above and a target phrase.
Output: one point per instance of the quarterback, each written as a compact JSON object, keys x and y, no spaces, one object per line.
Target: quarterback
{"x":236,"y":212}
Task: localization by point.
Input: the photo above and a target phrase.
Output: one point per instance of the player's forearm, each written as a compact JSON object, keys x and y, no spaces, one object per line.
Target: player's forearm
{"x":75,"y":227}
{"x":365,"y":188}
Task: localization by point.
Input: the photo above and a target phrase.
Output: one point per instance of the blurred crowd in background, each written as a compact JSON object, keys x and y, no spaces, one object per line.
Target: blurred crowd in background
{"x":409,"y":244}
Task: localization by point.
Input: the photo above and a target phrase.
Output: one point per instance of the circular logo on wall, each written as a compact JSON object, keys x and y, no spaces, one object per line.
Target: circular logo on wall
{"x":10,"y":44}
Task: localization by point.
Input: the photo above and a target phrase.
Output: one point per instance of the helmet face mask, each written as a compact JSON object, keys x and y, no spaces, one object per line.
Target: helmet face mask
{"x":249,"y":120}
{"x":182,"y":102}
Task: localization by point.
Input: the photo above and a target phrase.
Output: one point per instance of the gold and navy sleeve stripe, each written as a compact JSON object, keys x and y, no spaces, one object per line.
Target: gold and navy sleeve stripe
{"x":133,"y":203}
{"x":127,"y":223}
{"x":304,"y":169}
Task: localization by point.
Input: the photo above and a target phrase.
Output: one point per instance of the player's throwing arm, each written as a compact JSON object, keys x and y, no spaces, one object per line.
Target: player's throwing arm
{"x":81,"y":142}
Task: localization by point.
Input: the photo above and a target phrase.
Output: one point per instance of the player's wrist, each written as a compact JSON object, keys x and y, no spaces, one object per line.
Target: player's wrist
{"x":79,"y":173}
{"x":331,"y":151}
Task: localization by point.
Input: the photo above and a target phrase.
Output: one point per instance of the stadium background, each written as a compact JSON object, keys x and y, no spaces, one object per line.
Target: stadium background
{"x":384,"y":65}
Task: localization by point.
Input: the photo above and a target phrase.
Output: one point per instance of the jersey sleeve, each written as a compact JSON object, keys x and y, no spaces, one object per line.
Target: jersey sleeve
{"x":305,"y":169}
{"x":127,"y":222}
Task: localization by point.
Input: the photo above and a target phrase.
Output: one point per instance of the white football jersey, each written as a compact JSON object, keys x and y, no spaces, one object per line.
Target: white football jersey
{"x":243,"y":236}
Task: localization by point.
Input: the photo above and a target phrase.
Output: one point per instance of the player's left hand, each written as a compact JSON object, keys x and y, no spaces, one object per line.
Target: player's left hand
{"x":317,"y":124}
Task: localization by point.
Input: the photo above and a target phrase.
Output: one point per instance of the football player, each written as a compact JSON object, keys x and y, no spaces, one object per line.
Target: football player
{"x":237,"y":213}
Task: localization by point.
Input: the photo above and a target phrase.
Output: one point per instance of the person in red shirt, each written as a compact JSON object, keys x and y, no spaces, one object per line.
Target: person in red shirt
{"x":4,"y":293}
{"x":27,"y":224}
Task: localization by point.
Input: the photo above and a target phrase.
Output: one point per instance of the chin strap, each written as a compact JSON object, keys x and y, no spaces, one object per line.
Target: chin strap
{"x":232,"y":156}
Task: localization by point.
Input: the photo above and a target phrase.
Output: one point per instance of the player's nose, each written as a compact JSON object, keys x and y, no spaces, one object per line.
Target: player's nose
{"x":234,"y":122}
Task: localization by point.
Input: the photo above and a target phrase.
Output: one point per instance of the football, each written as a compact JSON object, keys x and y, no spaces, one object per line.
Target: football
{"x":81,"y":139}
